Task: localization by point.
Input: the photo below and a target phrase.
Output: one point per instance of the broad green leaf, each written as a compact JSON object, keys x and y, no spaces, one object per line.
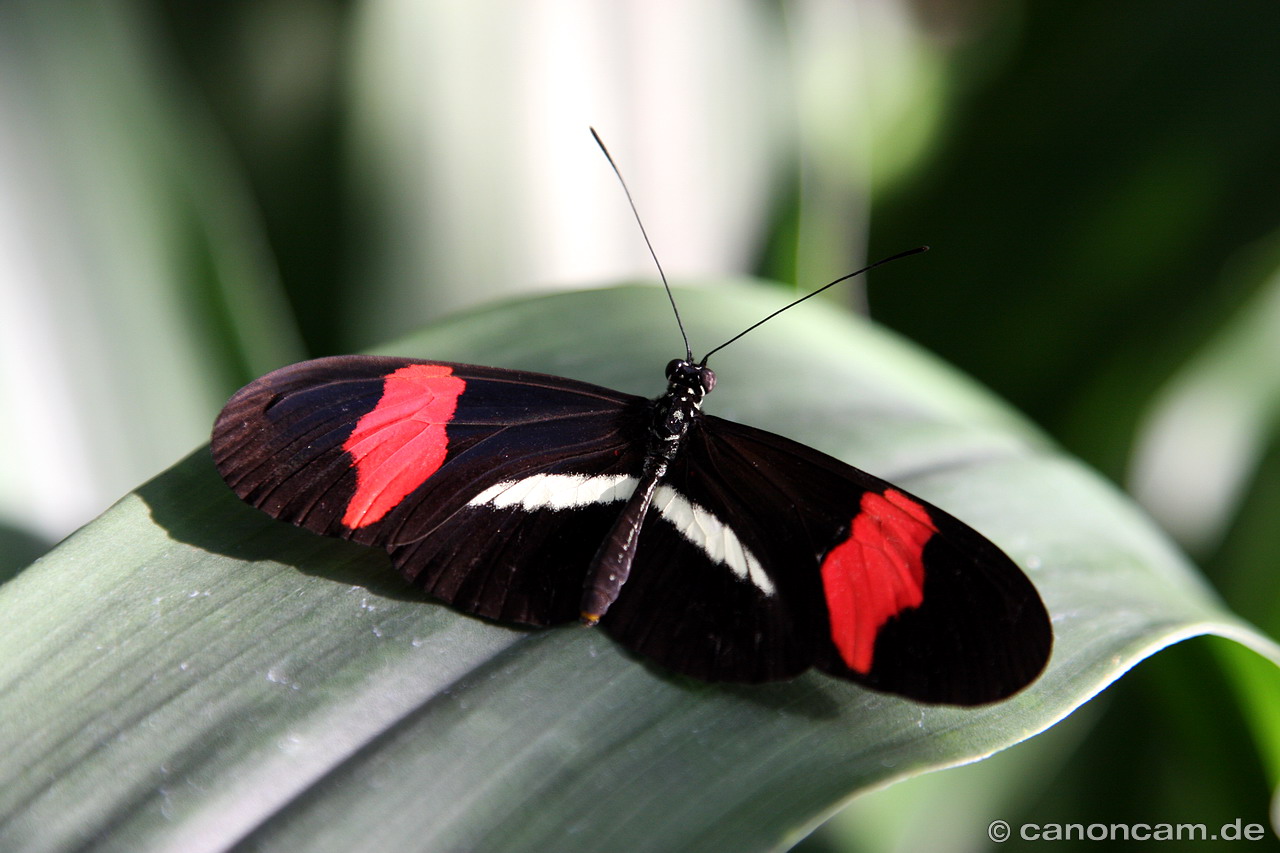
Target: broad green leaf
{"x":186,"y":674}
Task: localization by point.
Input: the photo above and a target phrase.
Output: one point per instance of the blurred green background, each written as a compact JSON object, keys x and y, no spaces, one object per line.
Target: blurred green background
{"x":192,"y":193}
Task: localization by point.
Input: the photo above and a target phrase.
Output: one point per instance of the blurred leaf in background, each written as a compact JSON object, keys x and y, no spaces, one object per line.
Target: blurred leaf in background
{"x":193,"y":192}
{"x":135,"y":285}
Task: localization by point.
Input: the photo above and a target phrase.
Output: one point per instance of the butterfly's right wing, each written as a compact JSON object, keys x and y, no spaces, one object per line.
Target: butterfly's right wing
{"x":490,"y":488}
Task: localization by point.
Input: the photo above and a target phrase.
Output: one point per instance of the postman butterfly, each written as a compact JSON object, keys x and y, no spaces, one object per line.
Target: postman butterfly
{"x":719,"y":550}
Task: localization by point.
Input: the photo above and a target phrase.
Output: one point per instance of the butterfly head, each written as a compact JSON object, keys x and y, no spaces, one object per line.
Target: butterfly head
{"x":685,"y":379}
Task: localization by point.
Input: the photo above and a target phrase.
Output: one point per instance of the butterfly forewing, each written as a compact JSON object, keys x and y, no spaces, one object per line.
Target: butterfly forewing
{"x":386,"y":450}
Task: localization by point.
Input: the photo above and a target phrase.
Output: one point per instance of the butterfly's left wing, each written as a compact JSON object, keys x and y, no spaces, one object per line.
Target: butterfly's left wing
{"x":763,"y":557}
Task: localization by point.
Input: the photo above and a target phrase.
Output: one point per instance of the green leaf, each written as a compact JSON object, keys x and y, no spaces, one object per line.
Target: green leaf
{"x":186,"y":674}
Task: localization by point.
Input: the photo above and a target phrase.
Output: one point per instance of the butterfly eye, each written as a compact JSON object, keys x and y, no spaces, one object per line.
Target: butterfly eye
{"x":708,"y":379}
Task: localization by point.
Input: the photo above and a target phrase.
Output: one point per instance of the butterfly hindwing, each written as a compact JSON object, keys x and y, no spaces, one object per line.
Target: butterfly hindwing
{"x":725,"y":612}
{"x":519,"y":550}
{"x":862,"y":580}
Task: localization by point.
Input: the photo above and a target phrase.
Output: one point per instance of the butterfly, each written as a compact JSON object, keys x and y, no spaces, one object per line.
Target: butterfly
{"x":719,"y":550}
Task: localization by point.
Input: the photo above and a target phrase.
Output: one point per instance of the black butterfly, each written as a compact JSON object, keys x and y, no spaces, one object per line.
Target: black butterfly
{"x":719,"y":550}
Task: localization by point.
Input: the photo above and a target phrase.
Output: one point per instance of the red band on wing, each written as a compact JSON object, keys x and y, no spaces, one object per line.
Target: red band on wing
{"x":401,"y":442}
{"x":876,"y":573}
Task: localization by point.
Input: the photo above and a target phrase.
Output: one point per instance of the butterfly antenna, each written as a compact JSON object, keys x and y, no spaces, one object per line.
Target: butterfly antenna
{"x":636,"y":213}
{"x":916,"y":251}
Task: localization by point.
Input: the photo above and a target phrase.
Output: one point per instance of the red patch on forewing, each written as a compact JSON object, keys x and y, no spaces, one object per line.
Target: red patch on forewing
{"x":401,"y":442}
{"x":876,"y":573}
